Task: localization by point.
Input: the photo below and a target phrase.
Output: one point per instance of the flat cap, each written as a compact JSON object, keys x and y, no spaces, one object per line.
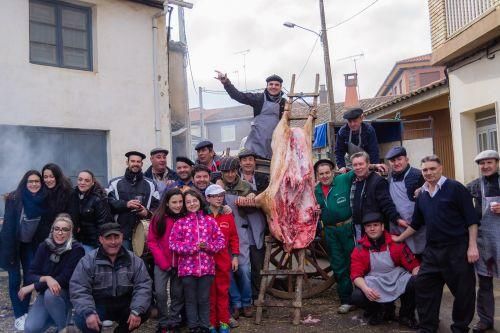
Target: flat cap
{"x":323,"y":161}
{"x":204,"y":144}
{"x":184,"y":160}
{"x":353,"y":113}
{"x":157,"y":150}
{"x":229,"y":163}
{"x":110,"y":228}
{"x":274,"y":77}
{"x":486,"y":155}
{"x":372,"y":217}
{"x":395,"y":152}
{"x":245,"y":153}
{"x":135,"y":153}
{"x":214,"y":189}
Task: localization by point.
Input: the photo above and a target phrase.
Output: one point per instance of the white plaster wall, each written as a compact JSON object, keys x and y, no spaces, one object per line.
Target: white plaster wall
{"x":473,"y":88}
{"x":117,"y":96}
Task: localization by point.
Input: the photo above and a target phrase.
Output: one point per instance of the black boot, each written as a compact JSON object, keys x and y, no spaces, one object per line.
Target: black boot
{"x":376,"y":318}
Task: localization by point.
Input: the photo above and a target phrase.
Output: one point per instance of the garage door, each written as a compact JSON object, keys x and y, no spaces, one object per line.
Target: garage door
{"x":26,"y":147}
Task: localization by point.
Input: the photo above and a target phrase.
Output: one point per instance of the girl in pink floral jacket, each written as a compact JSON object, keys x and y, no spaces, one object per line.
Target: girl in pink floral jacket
{"x":196,"y":238}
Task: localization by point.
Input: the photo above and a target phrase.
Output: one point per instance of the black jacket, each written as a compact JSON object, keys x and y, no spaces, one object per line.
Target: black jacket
{"x":9,"y":240}
{"x":375,"y":198}
{"x":369,"y":143}
{"x":491,"y":187}
{"x":170,"y":173}
{"x":120,"y":191}
{"x":61,"y":272}
{"x":88,"y":213}
{"x":255,"y":100}
{"x":413,"y":180}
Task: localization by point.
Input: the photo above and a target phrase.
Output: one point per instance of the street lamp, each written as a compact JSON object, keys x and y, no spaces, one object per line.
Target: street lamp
{"x":326,"y":56}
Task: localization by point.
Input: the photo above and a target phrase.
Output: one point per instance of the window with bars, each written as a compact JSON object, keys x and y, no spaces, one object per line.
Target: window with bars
{"x":486,"y":130}
{"x":60,"y":34}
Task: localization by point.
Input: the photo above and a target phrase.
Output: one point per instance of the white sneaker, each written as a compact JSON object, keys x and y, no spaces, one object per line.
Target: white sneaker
{"x":345,"y":308}
{"x":107,"y":323}
{"x":19,"y":322}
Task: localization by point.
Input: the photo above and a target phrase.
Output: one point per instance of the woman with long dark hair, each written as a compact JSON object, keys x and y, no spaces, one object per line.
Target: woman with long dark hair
{"x":49,"y":275}
{"x":23,"y":211}
{"x":58,"y":189}
{"x":170,"y":210}
{"x":88,"y":207}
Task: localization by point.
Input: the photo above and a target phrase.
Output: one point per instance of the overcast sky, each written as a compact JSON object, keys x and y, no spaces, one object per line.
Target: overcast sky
{"x":388,"y":31}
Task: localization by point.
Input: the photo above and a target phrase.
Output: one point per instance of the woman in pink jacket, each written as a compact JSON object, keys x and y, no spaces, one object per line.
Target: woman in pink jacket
{"x":196,"y":238}
{"x":170,"y":210}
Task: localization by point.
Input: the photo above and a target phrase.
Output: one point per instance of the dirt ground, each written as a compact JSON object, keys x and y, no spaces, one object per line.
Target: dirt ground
{"x":278,"y":320}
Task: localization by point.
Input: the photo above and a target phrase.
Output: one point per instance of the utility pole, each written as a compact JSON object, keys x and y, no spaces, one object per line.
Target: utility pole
{"x":202,"y":120}
{"x":244,"y":54}
{"x":326,"y":56}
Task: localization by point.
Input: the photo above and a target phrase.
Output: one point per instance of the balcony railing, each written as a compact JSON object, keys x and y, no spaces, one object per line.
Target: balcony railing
{"x":459,"y":13}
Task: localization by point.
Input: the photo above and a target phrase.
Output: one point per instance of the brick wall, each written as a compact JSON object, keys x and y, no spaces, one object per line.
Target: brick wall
{"x":437,"y":16}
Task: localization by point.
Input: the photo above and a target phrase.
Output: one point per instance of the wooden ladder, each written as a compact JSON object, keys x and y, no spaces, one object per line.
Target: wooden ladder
{"x":293,"y":96}
{"x":266,"y":272}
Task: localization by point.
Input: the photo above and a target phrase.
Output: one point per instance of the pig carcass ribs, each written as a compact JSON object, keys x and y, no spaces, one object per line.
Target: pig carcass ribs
{"x":289,"y":201}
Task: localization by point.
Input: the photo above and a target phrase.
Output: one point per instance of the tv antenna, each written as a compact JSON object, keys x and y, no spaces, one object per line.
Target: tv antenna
{"x":244,"y":54}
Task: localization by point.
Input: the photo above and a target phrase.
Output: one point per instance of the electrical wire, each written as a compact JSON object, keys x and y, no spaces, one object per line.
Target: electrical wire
{"x":308,"y":58}
{"x":353,"y":16}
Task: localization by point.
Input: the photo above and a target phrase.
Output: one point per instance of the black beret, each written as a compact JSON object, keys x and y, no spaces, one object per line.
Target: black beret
{"x":229,"y":163}
{"x":135,"y":153}
{"x":372,"y":217}
{"x":246,"y":152}
{"x":323,"y":161}
{"x":184,"y":160}
{"x":110,"y":228}
{"x":274,"y":77}
{"x":395,"y":152}
{"x":353,"y":113}
{"x":204,"y":144}
{"x":155,"y":151}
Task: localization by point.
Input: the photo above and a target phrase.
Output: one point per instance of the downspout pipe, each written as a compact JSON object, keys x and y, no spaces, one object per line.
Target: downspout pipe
{"x":156,"y":88}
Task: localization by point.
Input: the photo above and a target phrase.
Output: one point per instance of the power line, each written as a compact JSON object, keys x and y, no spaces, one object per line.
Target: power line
{"x":353,"y":16}
{"x":308,"y":58}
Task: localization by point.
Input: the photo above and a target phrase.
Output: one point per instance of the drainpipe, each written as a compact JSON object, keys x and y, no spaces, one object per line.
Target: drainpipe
{"x":156,"y":89}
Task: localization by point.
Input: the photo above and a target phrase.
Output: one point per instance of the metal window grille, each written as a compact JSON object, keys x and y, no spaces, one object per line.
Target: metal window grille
{"x":460,"y":13}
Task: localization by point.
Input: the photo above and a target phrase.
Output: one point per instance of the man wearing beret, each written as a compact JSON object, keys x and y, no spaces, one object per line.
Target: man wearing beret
{"x":259,"y":182}
{"x":267,"y":107}
{"x":238,"y":192}
{"x":159,"y":172}
{"x":207,"y":156}
{"x":332,"y":194}
{"x":184,"y":170}
{"x":485,"y":191}
{"x":132,"y":197}
{"x":404,"y":180}
{"x":110,"y":283}
{"x":355,"y":136}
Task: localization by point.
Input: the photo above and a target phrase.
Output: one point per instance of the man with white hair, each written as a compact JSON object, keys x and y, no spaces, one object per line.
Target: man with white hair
{"x":486,"y":193}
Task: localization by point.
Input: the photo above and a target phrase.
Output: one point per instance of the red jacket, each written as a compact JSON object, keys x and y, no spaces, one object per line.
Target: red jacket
{"x":232,"y":243}
{"x":159,"y":245}
{"x":400,"y":253}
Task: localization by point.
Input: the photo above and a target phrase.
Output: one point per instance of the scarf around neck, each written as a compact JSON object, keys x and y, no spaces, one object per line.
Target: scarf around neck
{"x":57,"y":250}
{"x":133,"y":177}
{"x":33,"y":203}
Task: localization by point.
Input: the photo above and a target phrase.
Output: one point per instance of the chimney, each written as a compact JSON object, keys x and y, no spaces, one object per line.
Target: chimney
{"x":351,"y":90}
{"x":323,"y":94}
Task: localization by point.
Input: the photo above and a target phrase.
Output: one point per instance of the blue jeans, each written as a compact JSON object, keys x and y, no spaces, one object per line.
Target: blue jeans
{"x":47,"y":310}
{"x":241,"y":287}
{"x":26,"y":254}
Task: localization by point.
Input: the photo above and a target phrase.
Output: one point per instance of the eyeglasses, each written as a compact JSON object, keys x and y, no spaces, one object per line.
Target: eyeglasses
{"x":34,"y":182}
{"x":216,"y":195}
{"x":63,"y":229}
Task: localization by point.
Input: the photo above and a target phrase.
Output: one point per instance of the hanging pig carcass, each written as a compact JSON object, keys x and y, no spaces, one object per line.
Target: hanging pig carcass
{"x":289,"y":202}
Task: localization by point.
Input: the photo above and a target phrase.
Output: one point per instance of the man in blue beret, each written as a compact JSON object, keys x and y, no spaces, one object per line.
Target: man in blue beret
{"x":354,"y":137}
{"x":268,"y":108}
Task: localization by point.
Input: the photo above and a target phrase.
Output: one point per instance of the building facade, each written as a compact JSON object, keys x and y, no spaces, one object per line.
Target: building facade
{"x":81,"y":83}
{"x":465,"y":38}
